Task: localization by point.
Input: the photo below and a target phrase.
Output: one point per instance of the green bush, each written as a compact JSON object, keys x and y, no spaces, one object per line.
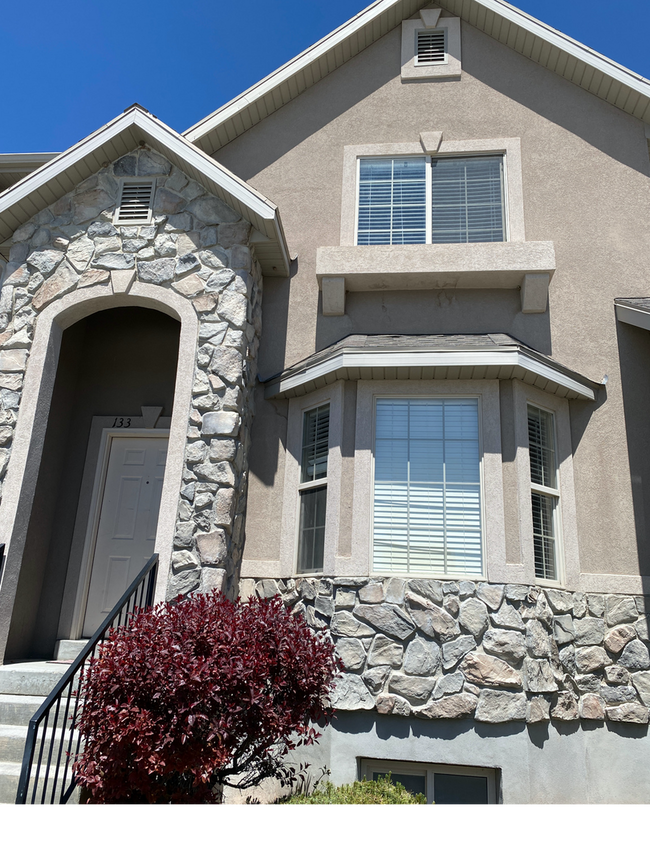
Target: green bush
{"x":381,"y":791}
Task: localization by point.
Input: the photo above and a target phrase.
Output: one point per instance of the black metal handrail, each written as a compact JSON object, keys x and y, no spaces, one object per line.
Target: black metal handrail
{"x":46,"y":780}
{"x":2,"y":557}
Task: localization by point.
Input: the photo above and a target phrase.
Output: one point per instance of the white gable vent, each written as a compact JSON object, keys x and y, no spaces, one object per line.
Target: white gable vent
{"x":430,"y":47}
{"x":135,"y":203}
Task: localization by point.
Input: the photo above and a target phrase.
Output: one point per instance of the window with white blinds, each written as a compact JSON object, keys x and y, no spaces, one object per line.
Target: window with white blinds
{"x":313,"y":489}
{"x":545,"y":494}
{"x":427,"y":490}
{"x":418,"y":200}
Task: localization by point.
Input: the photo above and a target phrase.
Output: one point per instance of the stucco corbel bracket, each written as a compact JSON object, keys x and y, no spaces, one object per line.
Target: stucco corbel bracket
{"x":534,"y":293}
{"x":429,"y":17}
{"x":333,"y":291}
{"x":430,"y":142}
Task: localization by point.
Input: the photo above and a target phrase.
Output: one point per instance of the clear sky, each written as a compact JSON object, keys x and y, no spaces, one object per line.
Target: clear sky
{"x":71,"y":66}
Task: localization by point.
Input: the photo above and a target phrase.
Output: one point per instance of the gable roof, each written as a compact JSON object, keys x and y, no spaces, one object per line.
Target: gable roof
{"x":560,"y":53}
{"x":125,"y":133}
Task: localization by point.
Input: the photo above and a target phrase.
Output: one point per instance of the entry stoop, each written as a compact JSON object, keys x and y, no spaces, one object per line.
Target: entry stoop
{"x":23,"y":688}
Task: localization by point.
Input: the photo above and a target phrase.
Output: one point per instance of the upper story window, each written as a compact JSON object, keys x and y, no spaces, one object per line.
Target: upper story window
{"x":434,"y":200}
{"x":427,"y":489}
{"x":313,"y":489}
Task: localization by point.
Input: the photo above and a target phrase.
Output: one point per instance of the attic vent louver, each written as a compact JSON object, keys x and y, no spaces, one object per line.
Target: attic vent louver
{"x":431,"y":46}
{"x":135,"y":203}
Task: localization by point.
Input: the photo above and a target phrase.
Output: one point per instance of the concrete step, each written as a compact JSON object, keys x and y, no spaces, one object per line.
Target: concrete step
{"x":30,"y":678}
{"x":68,"y":650}
{"x":17,"y":710}
{"x":9,"y":778}
{"x":12,"y":744}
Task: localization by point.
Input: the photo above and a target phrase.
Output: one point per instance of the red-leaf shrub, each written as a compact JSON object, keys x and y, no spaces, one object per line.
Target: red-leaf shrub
{"x":193,"y":692}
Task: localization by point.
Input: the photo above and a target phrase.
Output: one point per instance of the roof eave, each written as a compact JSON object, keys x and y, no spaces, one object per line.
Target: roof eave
{"x":128,"y":131}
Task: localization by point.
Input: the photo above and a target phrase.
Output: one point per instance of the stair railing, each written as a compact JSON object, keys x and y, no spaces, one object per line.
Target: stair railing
{"x":2,"y":557}
{"x":53,"y":741}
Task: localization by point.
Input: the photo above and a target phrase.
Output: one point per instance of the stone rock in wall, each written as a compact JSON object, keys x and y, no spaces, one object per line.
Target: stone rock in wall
{"x":267,"y":588}
{"x":450,"y":707}
{"x":538,"y":641}
{"x":641,"y":681}
{"x":491,"y":594}
{"x":628,"y":713}
{"x":93,"y":277}
{"x":466,"y":589}
{"x":588,"y":682}
{"x":452,"y":605}
{"x":371,"y":594}
{"x":620,"y":609}
{"x":579,"y":604}
{"x":591,"y":706}
{"x":508,"y":617}
{"x":589,"y":630}
{"x":560,"y":601}
{"x":351,"y":653}
{"x":565,"y":706}
{"x":388,"y":618}
{"x":538,"y":709}
{"x":538,"y":676}
{"x":431,"y":590}
{"x":422,"y":658}
{"x":212,"y":547}
{"x":618,"y":637}
{"x":563,"y":629}
{"x":498,"y":706}
{"x":590,"y":659}
{"x":157,"y":271}
{"x":351,"y":693}
{"x":618,"y":694}
{"x":46,"y":260}
{"x":150,"y":163}
{"x":227,"y":364}
{"x":234,"y":233}
{"x":385,"y":703}
{"x":431,"y":619}
{"x":345,"y":599}
{"x":394,"y":591}
{"x":488,"y":671}
{"x":474,"y":617}
{"x":642,"y":627}
{"x":415,"y":689}
{"x":568,"y":659}
{"x":345,"y":625}
{"x":221,"y":473}
{"x":324,"y":606}
{"x":383,"y":651}
{"x":616,"y":675}
{"x":375,"y":678}
{"x":220,"y":424}
{"x":88,"y":205}
{"x":80,"y":252}
{"x":454,"y":651}
{"x":167,"y":202}
{"x":211,"y":210}
{"x":635,"y":656}
{"x":449,"y":684}
{"x":63,"y":279}
{"x":506,"y":644}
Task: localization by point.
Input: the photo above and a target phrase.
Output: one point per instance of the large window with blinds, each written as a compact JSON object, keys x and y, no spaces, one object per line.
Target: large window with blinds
{"x":427,"y":487}
{"x":431,"y":200}
{"x":313,"y":489}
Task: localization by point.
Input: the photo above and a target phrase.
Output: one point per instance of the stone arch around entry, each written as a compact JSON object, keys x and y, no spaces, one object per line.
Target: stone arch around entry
{"x":29,"y":437}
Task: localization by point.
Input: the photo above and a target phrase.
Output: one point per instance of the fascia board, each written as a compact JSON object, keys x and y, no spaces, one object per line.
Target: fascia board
{"x":566,"y":43}
{"x":500,"y":8}
{"x":347,"y":358}
{"x":156,"y":132}
{"x":632,"y":315}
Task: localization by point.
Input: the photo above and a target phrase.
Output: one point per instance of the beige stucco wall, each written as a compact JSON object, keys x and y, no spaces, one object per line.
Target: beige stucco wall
{"x":585,"y":181}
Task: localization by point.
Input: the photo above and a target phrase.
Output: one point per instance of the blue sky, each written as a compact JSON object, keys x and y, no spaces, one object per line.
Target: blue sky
{"x":72,"y":65}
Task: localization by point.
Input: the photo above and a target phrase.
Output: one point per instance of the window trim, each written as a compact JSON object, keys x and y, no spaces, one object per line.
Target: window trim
{"x":368,"y":767}
{"x":428,"y":159}
{"x":493,"y":526}
{"x":509,"y":148}
{"x":288,"y":562}
{"x":310,"y":485}
{"x":443,"y":576}
{"x":567,"y":552}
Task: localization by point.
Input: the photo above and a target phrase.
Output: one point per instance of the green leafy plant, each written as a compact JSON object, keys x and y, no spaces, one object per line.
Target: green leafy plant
{"x":381,"y":791}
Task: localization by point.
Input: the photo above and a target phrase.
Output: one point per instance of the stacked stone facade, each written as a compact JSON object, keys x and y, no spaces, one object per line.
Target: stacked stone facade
{"x":496,"y":653}
{"x":198,"y":248}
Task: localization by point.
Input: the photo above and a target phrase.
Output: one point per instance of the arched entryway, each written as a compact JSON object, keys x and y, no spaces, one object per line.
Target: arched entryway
{"x":94,"y":510}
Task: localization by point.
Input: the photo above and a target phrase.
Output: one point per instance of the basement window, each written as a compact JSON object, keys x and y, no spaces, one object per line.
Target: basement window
{"x":440,"y":784}
{"x":136,"y":203}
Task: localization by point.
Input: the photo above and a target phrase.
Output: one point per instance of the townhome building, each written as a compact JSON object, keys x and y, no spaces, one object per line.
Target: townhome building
{"x":373,"y":336}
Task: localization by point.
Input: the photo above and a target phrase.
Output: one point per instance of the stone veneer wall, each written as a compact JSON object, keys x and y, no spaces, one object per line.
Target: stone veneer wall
{"x":196,"y":247}
{"x":494,"y":652}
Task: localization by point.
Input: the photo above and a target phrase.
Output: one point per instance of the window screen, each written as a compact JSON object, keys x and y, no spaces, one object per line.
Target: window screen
{"x":544,"y":493}
{"x":313,"y":497}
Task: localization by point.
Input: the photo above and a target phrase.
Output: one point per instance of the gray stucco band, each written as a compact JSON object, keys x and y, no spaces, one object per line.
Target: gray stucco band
{"x":471,"y":650}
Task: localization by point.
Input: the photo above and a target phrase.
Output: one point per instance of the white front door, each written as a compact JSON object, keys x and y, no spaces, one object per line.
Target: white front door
{"x":127,"y":521}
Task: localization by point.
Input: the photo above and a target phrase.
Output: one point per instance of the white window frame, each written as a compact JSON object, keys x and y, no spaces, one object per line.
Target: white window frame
{"x":310,"y":486}
{"x":550,"y":493}
{"x":414,"y":71}
{"x":368,"y":767}
{"x":288,"y":564}
{"x":566,"y":529}
{"x":429,"y":193}
{"x":433,"y":575}
{"x":510,"y":149}
{"x":493,"y":528}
